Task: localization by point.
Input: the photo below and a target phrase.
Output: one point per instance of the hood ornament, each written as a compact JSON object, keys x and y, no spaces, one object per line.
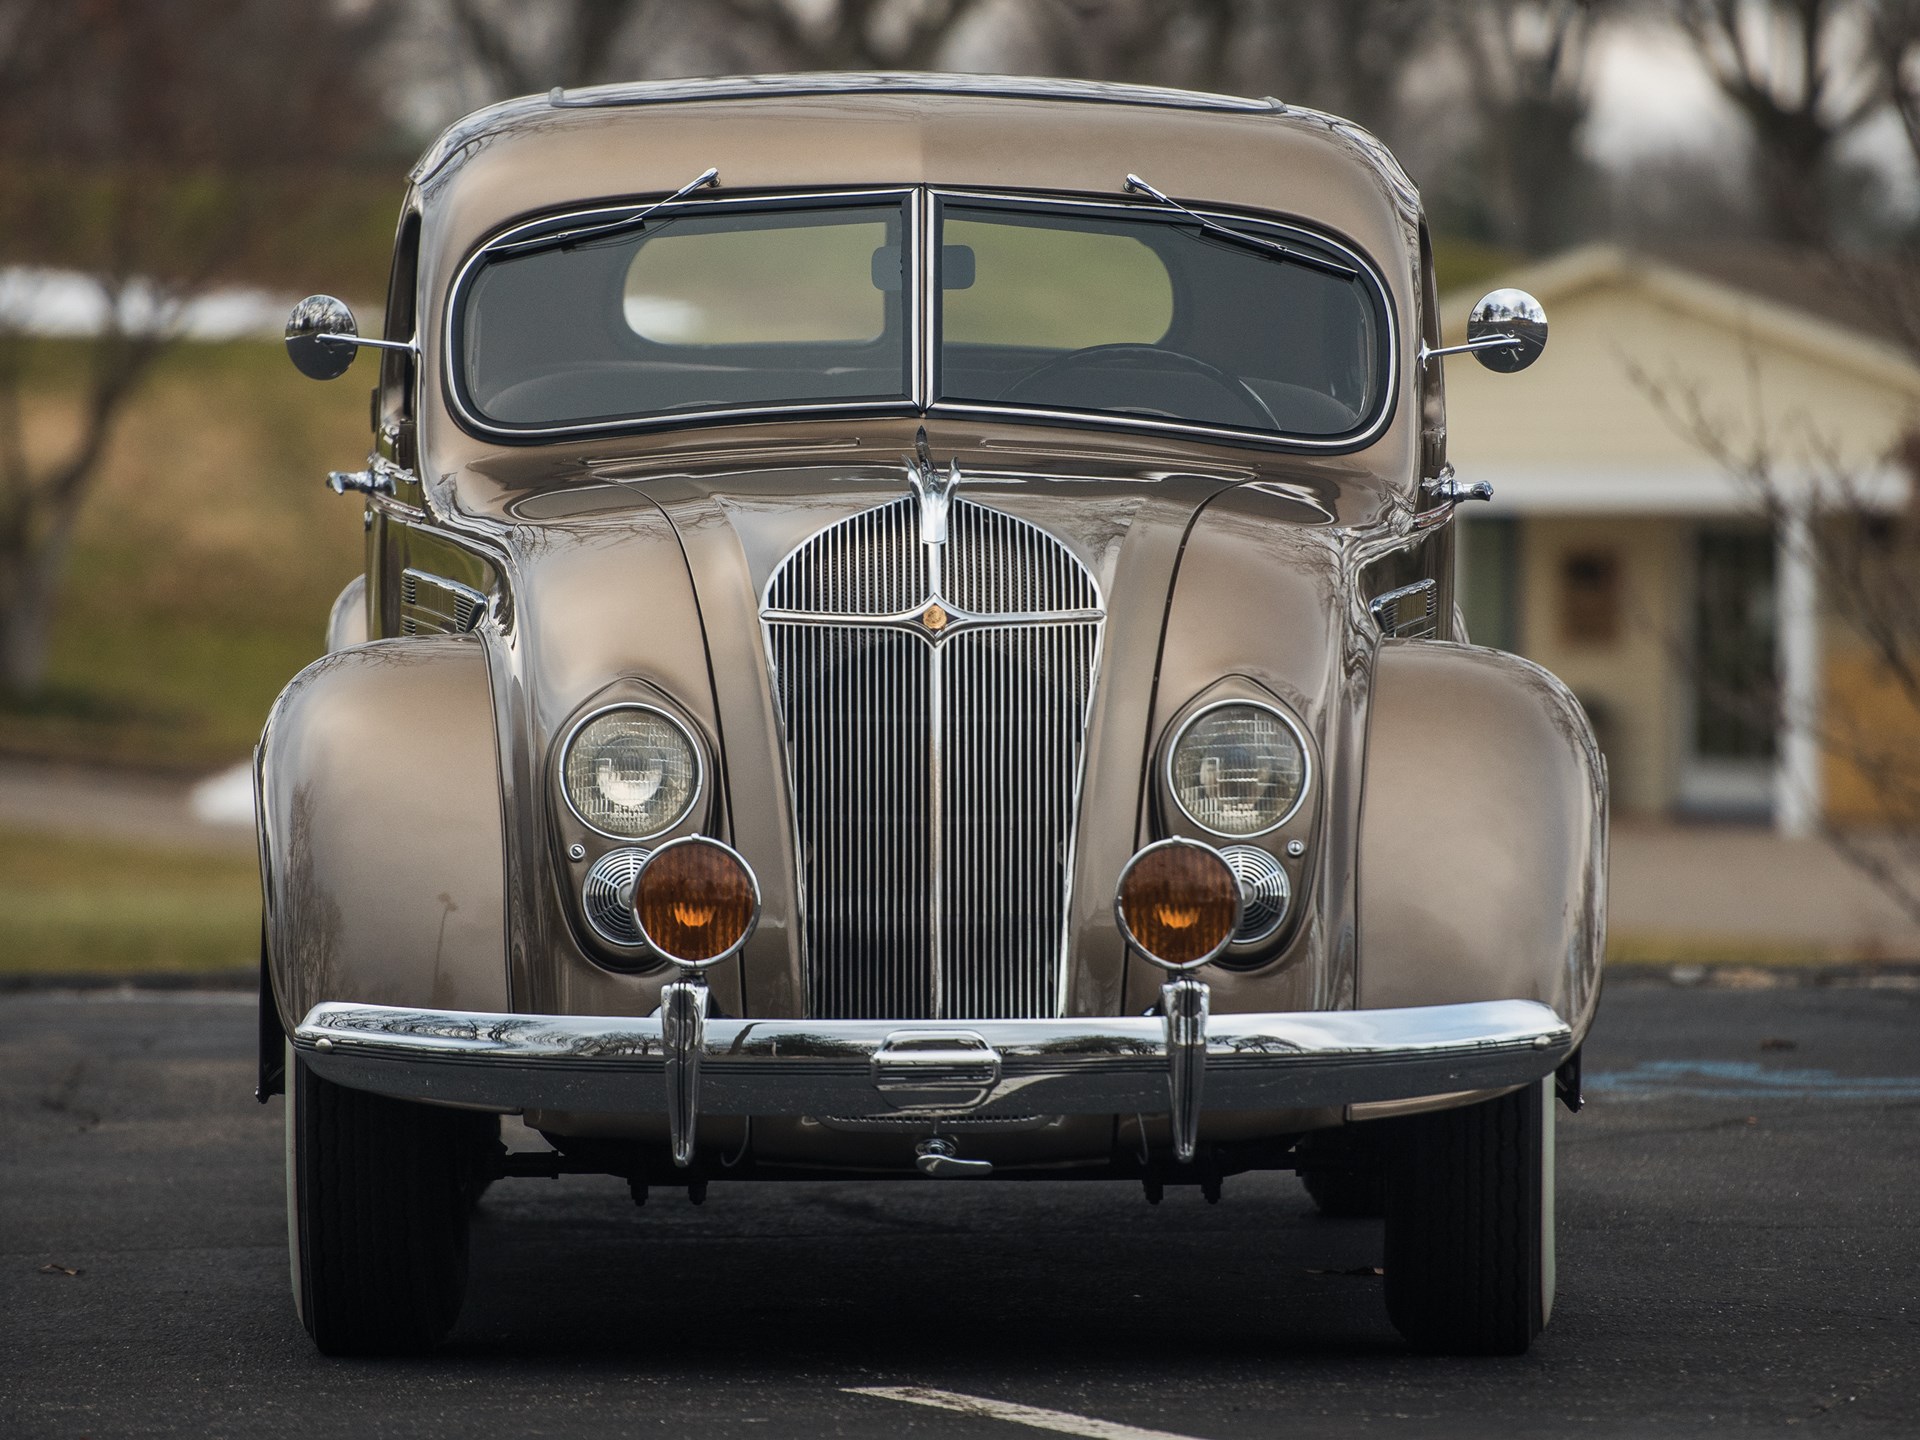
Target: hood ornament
{"x":931,"y":489}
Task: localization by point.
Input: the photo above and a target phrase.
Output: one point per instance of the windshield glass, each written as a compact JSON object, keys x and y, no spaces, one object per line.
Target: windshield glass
{"x":1149,"y":315}
{"x":1128,"y":314}
{"x":694,"y":312}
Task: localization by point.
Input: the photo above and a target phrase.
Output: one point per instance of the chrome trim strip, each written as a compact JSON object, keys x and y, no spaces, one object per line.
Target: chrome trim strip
{"x":1068,"y":1066}
{"x":1306,"y":765}
{"x":926,"y":223}
{"x":699,"y":761}
{"x":838,"y":82}
{"x":957,"y":619}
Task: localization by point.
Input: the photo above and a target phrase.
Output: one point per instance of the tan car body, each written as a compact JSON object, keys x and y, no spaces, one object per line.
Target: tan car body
{"x":414,"y":847}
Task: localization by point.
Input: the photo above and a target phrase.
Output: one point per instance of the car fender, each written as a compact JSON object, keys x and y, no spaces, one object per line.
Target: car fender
{"x":380,"y":821}
{"x":1483,"y":835}
{"x":347,"y":620}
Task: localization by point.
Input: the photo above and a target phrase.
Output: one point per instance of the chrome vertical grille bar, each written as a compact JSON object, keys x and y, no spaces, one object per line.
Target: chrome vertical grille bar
{"x":934,"y":769}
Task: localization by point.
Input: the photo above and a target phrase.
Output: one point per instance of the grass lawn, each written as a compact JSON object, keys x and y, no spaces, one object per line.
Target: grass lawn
{"x":205,"y":560}
{"x":73,"y":906}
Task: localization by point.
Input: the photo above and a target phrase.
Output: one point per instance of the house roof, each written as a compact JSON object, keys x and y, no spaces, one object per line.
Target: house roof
{"x":1853,"y":317}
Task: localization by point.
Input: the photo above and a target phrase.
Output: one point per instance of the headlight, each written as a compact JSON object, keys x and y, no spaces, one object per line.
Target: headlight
{"x":631,"y":771}
{"x":1238,"y":769}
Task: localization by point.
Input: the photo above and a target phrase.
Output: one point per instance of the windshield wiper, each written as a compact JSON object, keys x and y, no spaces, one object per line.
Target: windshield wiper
{"x":603,"y":229}
{"x":1259,"y":244}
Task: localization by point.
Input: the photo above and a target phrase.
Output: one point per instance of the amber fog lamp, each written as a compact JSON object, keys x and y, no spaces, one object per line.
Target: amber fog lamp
{"x":696,"y":901}
{"x":1179,"y":903}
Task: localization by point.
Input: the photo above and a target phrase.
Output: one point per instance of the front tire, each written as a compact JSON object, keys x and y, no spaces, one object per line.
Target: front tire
{"x":378,"y":1196}
{"x":1470,"y":1225}
{"x":1343,"y":1171}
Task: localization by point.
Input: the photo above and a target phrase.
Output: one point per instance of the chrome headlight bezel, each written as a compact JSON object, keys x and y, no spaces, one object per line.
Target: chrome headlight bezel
{"x":1293,"y":727}
{"x":679,"y":726}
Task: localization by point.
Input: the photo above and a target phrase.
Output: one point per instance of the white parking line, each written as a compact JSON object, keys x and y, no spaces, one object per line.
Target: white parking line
{"x":1061,"y":1422}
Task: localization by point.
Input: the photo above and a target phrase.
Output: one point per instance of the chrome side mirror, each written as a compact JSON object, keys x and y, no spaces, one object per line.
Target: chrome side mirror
{"x":1506,"y":332}
{"x":322,"y":338}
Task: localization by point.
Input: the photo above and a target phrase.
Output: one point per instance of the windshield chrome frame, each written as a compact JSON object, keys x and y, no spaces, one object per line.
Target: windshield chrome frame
{"x":921,"y":205}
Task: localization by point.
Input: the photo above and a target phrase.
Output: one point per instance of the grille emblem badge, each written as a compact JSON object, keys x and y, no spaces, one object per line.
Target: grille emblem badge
{"x":934,"y":617}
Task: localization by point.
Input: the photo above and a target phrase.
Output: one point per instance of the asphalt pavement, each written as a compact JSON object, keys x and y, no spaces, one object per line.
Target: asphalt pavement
{"x":1739,"y":1251}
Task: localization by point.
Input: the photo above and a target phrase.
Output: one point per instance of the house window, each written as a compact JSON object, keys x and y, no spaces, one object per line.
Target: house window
{"x":1590,"y":597}
{"x":1487,"y":581}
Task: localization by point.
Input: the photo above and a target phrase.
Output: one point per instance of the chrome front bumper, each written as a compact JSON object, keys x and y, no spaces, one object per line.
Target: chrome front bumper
{"x":686,"y":1063}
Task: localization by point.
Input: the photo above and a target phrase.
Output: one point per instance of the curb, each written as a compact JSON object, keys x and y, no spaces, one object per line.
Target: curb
{"x":183,"y":980}
{"x":1729,"y":975}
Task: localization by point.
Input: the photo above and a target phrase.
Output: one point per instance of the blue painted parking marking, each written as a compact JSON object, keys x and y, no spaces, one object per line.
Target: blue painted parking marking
{"x":1745,"y":1080}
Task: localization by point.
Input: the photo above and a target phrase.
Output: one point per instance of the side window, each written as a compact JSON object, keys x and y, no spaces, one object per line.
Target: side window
{"x":1432,"y":382}
{"x":393,"y":398}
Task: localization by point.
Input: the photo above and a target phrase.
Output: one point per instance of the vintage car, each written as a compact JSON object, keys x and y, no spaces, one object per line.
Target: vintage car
{"x":908,"y":633}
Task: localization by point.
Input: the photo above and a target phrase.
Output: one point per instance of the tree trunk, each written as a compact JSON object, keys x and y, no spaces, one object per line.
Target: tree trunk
{"x":29,"y":589}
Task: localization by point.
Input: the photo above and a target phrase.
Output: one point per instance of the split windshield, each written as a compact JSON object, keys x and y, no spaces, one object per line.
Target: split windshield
{"x":1112,"y":313}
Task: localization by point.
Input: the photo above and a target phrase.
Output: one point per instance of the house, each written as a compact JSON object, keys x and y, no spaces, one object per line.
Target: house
{"x":1620,"y":552}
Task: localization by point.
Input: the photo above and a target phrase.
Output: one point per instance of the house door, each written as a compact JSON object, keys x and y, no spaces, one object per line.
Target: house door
{"x":1732,"y":728}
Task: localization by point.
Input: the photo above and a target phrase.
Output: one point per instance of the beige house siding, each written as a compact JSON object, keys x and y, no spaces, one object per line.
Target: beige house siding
{"x":1630,"y":685}
{"x":1741,"y":356}
{"x":1589,"y":452}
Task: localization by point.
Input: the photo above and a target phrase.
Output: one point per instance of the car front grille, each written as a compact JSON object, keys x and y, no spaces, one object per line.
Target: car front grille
{"x":934,"y":756}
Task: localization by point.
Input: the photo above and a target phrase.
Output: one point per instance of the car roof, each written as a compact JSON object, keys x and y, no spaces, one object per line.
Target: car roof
{"x":847,"y":130}
{"x":507,"y":113}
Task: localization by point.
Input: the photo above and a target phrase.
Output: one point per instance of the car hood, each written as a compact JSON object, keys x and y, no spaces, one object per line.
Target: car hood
{"x":657,"y":572}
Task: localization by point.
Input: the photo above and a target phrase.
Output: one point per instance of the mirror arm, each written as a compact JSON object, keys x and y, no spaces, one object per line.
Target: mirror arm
{"x":410,"y":346}
{"x":1484,"y":342}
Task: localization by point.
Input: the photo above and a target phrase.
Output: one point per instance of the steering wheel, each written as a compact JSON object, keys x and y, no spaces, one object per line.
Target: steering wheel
{"x":1129,"y":356}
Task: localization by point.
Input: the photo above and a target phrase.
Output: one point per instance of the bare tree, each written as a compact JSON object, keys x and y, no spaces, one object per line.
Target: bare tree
{"x":521,"y":50}
{"x":1529,"y":72}
{"x":1804,"y":75}
{"x":153,"y":148}
{"x":1349,"y":57}
{"x":589,"y":42}
{"x":852,"y":34}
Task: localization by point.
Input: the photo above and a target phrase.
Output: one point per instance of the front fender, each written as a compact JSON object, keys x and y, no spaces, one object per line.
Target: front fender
{"x":381,"y":852}
{"x":1483,"y":835}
